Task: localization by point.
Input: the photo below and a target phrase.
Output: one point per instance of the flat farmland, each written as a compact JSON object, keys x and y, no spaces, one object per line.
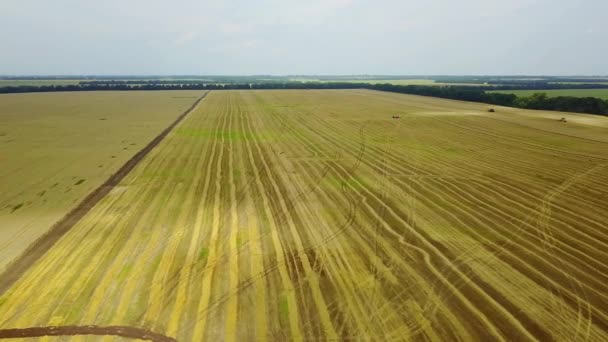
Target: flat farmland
{"x":599,"y":93}
{"x":55,"y":148}
{"x":313,"y":215}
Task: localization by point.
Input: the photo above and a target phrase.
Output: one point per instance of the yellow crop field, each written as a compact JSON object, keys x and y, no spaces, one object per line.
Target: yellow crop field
{"x":55,"y":148}
{"x":276,"y":215}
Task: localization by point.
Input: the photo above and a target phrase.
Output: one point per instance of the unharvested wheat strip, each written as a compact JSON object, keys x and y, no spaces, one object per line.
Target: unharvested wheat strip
{"x":294,"y":322}
{"x":203,"y":312}
{"x":311,"y":276}
{"x":184,"y":277}
{"x":74,"y":238}
{"x":156,"y":301}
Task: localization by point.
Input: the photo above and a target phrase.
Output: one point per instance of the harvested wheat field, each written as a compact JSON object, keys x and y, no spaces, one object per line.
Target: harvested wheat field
{"x":314,"y":215}
{"x":55,"y":148}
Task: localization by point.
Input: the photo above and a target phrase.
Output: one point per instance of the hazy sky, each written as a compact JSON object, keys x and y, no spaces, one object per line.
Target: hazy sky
{"x":304,"y":37}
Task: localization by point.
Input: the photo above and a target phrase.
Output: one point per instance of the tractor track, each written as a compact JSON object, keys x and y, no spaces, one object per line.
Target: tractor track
{"x":78,"y":330}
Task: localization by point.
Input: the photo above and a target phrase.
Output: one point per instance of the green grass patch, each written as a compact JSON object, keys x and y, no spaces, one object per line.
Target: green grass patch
{"x":283,"y":307}
{"x":599,"y":93}
{"x":203,"y":254}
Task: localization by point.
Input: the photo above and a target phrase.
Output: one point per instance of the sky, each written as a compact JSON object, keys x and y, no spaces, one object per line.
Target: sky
{"x":322,"y":37}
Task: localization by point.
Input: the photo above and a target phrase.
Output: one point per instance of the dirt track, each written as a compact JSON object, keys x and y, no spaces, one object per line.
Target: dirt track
{"x":15,"y":270}
{"x":74,"y":330}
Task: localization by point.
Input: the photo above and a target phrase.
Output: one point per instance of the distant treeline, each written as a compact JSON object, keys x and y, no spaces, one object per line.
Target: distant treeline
{"x":492,"y":85}
{"x":590,"y":105}
{"x":521,"y":80}
{"x":141,"y":82}
{"x":537,"y":85}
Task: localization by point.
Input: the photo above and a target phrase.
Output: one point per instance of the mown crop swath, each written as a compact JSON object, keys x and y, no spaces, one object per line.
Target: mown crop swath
{"x":274,"y":215}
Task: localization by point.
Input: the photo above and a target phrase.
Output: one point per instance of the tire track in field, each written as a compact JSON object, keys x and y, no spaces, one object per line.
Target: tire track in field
{"x":85,"y":330}
{"x":149,"y":249}
{"x":495,"y":253}
{"x":158,"y":286}
{"x":247,"y":283}
{"x":389,"y":209}
{"x":34,"y":252}
{"x":219,"y":259}
{"x":521,"y":142}
{"x":457,"y":260}
{"x":199,"y":330}
{"x":187,"y":268}
{"x":344,"y":188}
{"x":544,"y":215}
{"x":311,"y":276}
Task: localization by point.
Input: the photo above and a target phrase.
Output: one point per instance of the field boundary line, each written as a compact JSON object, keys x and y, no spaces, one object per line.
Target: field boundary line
{"x":77,"y":330}
{"x":38,"y":248}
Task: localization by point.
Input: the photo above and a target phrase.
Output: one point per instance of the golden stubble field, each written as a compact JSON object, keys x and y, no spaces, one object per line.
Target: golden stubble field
{"x":313,"y":215}
{"x":56,"y":147}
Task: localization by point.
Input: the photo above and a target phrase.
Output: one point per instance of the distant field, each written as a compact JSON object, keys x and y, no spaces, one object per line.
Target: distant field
{"x":16,"y":83}
{"x":579,"y":82}
{"x":397,"y":82}
{"x":315,"y":216}
{"x":56,"y":147}
{"x":600,"y":93}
